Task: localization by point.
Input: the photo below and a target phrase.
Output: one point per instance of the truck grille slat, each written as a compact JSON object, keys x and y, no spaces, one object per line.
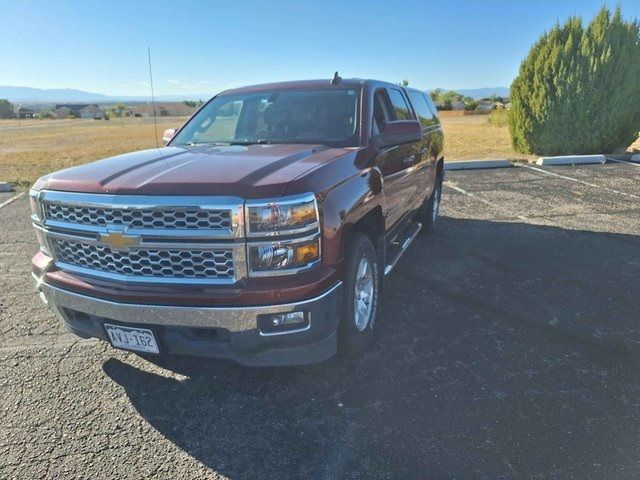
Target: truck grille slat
{"x":189,"y":219}
{"x":174,"y":263}
{"x":151,"y":239}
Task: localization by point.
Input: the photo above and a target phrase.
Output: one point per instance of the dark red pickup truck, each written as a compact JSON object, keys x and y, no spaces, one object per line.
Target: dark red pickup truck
{"x":261,"y":233}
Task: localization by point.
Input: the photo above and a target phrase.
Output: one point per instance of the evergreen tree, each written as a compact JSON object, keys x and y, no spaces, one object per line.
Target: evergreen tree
{"x":578,"y":90}
{"x":6,"y":109}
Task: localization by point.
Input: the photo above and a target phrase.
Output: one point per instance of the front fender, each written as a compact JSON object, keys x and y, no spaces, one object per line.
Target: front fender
{"x":343,"y":206}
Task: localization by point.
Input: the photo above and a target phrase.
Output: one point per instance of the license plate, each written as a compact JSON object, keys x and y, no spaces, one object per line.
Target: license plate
{"x":128,"y":338}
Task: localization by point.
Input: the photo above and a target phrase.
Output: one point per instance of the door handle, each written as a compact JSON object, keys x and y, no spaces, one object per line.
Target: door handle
{"x":409,"y":160}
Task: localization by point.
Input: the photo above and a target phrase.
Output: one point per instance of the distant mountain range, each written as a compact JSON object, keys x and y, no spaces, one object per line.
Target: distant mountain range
{"x":483,"y":92}
{"x":66,"y":95}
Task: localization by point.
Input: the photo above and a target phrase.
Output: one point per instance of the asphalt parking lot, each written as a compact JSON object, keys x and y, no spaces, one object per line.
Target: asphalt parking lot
{"x":508,"y":347}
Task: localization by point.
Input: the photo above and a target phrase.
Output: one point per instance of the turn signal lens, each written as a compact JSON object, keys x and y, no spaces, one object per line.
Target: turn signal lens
{"x":303,"y":214}
{"x":307,"y":253}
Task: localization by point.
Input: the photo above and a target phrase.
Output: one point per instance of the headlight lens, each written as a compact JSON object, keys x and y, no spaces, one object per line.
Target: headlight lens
{"x":287,"y":217}
{"x":279,"y":256}
{"x":35,"y":205}
{"x":282,"y":217}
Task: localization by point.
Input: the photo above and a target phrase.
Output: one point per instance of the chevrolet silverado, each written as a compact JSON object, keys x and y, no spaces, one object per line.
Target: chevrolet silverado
{"x":261,"y":233}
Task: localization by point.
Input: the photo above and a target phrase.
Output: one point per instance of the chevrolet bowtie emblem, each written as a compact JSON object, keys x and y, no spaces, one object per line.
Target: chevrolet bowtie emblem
{"x":118,"y":239}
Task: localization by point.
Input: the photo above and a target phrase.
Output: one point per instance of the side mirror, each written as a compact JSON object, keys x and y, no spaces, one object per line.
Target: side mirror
{"x":398,"y":132}
{"x":168,"y":135}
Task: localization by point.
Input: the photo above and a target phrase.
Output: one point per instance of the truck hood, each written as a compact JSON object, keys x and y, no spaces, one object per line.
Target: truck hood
{"x":250,"y":171}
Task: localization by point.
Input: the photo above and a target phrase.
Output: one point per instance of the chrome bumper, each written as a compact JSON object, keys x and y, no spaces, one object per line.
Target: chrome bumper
{"x":237,"y":337}
{"x":233,"y":319}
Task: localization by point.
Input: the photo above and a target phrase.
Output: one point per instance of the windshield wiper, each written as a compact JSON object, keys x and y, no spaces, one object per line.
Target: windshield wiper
{"x":218,"y":144}
{"x":260,"y":141}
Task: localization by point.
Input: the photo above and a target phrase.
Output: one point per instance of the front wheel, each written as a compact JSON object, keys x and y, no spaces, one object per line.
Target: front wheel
{"x":431,"y":208}
{"x":360,"y":305}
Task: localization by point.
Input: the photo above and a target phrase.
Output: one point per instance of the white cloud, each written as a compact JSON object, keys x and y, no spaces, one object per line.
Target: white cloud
{"x":205,"y":82}
{"x":174,"y":82}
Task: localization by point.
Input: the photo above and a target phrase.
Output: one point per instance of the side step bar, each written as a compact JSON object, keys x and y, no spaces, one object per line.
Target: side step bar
{"x":411,"y":235}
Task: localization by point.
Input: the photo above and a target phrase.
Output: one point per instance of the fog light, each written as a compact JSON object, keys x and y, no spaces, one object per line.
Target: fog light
{"x":282,"y":323}
{"x":287,"y":318}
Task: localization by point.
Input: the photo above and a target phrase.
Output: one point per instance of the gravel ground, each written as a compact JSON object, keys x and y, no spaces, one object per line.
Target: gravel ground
{"x":507,"y":348}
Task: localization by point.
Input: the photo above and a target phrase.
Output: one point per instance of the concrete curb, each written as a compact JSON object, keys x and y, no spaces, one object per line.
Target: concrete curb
{"x":477,"y":164}
{"x":6,"y":187}
{"x":12,"y":199}
{"x":572,"y":160}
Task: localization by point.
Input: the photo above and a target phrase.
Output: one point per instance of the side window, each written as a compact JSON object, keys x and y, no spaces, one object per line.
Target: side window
{"x":432,"y":107}
{"x":381,"y":110}
{"x":401,"y":110}
{"x":422,"y":109}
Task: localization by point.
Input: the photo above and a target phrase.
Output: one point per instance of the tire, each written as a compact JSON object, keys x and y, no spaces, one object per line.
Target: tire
{"x":355,"y":330}
{"x":431,"y":208}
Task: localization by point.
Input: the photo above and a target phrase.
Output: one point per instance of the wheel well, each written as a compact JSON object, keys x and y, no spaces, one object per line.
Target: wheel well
{"x":371,"y":225}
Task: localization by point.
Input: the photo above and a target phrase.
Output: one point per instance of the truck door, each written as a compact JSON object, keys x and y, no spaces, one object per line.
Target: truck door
{"x":430,"y":138}
{"x":396,"y":163}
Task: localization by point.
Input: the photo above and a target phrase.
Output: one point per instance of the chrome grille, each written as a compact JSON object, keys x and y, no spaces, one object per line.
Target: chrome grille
{"x":168,"y":263}
{"x":169,"y":218}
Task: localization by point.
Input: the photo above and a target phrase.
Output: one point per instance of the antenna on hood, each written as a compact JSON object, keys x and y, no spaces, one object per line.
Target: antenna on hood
{"x":153,"y":98}
{"x":336,"y":79}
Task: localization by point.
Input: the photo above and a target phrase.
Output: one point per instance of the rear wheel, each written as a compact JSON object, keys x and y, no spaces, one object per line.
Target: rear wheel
{"x":431,"y":208}
{"x":360,"y":305}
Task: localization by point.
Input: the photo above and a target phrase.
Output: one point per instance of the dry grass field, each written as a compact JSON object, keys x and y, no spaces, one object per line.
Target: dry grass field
{"x":473,"y":137}
{"x":36,"y":147}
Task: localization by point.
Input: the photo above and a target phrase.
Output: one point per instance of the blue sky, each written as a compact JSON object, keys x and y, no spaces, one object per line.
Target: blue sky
{"x":207,"y":46}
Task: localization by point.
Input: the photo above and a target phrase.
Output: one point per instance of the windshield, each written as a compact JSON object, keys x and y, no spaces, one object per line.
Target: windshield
{"x":280,"y":116}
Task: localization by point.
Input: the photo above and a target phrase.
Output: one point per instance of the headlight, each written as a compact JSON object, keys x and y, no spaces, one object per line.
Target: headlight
{"x":36,"y":217}
{"x":289,"y":215}
{"x":275,"y":258}
{"x":36,"y":211}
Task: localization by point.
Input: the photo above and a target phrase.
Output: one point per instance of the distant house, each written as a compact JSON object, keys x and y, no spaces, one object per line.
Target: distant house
{"x":92,"y":111}
{"x":484,"y":106}
{"x":147,"y":111}
{"x":459,"y":105}
{"x":163,"y":109}
{"x":61,"y":112}
{"x":80,"y":110}
{"x":26,"y":113}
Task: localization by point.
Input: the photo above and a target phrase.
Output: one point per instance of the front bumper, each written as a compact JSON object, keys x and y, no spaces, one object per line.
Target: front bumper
{"x":220,"y":332}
